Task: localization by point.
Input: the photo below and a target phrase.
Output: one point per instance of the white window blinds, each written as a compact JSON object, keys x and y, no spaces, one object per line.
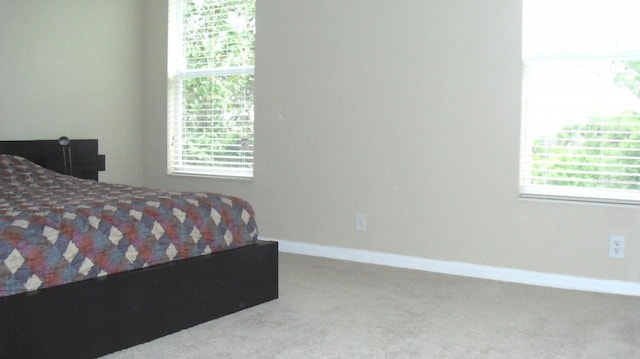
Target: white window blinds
{"x":210,"y":87}
{"x":581,"y":100}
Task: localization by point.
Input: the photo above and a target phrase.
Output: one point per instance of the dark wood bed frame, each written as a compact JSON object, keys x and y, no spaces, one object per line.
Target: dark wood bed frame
{"x":98,"y":316}
{"x":49,"y":154}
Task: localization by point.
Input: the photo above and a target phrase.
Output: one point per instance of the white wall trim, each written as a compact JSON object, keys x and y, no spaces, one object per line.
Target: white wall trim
{"x":462,"y":269}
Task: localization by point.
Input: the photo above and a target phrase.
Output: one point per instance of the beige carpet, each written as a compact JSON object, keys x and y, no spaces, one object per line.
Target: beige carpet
{"x":336,"y":309}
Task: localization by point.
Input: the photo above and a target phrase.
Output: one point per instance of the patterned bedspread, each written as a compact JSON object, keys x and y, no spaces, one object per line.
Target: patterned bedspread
{"x":56,"y":229}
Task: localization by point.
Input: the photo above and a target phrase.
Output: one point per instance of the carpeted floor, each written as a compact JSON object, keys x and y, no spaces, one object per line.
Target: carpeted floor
{"x":336,"y":309}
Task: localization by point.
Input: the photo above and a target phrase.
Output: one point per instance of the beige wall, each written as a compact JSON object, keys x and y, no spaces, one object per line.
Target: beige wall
{"x":409,"y":112}
{"x":73,"y":67}
{"x":406,"y":110}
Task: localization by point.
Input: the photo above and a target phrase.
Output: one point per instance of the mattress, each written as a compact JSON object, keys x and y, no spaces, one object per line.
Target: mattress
{"x":57,"y":229}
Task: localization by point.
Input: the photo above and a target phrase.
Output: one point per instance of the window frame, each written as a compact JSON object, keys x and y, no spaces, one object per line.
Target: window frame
{"x":177,"y":73}
{"x":527,"y":188}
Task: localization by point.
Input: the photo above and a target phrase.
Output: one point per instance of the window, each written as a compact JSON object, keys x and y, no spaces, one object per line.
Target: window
{"x":581,"y":100}
{"x":210,"y":87}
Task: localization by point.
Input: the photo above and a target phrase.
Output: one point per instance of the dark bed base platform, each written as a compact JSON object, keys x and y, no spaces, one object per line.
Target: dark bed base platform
{"x":99,"y":316}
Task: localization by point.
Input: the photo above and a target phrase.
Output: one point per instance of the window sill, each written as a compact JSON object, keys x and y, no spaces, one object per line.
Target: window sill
{"x":212,"y":176}
{"x":584,"y":201}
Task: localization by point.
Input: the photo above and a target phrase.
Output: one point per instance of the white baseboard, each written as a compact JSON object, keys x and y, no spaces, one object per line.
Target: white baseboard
{"x":462,"y":269}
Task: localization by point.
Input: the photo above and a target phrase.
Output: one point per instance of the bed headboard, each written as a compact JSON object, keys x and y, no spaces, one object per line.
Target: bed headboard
{"x":85,"y":162}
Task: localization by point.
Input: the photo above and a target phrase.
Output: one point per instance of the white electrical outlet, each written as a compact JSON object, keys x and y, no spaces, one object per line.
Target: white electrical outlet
{"x":616,"y":246}
{"x":361,"y":222}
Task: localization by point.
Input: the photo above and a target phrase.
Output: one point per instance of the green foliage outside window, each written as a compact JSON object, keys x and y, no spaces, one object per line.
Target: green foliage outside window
{"x":603,"y":152}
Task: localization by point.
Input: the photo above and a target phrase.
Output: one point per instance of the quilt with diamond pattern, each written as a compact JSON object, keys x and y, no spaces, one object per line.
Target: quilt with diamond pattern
{"x":56,"y":229}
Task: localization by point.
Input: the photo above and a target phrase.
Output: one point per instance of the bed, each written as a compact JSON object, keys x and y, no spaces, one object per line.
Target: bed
{"x":83,"y":275}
